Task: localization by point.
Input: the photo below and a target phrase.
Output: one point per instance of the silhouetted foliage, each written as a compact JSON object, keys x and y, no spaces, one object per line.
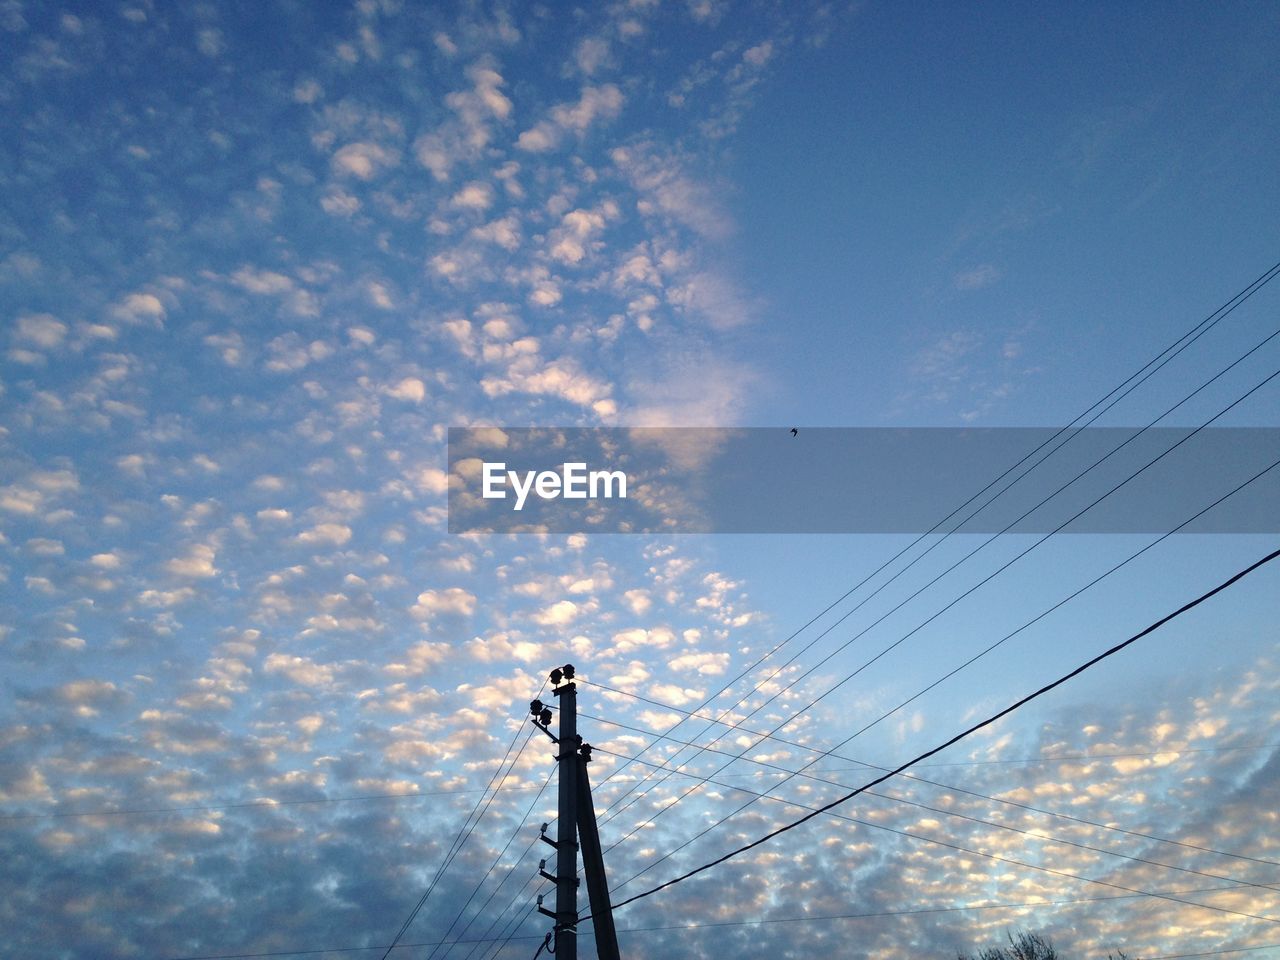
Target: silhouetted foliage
{"x":1025,"y":946}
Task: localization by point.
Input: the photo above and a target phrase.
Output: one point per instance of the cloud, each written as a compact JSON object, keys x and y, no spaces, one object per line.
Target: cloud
{"x":301,"y":670}
{"x":504,"y":232}
{"x":591,"y":54}
{"x":977,"y":278}
{"x":411,"y":389}
{"x":196,"y":563}
{"x":453,"y":601}
{"x":594,"y":105}
{"x":326,"y":534}
{"x":139,"y":308}
{"x":668,"y":190}
{"x":559,"y":614}
{"x":476,"y":195}
{"x":265,"y":282}
{"x":41,"y":329}
{"x":758,"y":55}
{"x":463,"y":138}
{"x":563,"y":378}
{"x":364,"y":160}
{"x":571,"y":240}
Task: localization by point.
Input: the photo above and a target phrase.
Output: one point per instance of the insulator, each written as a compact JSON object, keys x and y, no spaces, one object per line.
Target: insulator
{"x":535,"y":707}
{"x":545,"y":716}
{"x":568,"y":671}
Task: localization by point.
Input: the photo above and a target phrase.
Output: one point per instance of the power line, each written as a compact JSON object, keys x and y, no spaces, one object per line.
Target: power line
{"x":989,"y":823}
{"x":1145,"y":548}
{"x":250,"y":804}
{"x":971,"y":660}
{"x":1161,"y":455}
{"x":762,"y":921}
{"x":1063,"y":758}
{"x":991,"y":576}
{"x":496,"y":861}
{"x":460,"y":838}
{"x":1111,"y":651}
{"x":980,"y":796}
{"x":1114,"y":396}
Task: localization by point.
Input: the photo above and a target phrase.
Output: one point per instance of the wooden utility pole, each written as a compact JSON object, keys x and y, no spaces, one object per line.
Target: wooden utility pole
{"x":576,"y":822}
{"x":567,"y":835}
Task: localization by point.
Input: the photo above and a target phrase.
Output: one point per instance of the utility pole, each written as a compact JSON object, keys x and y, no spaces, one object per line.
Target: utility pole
{"x":567,"y":837}
{"x":576,"y":820}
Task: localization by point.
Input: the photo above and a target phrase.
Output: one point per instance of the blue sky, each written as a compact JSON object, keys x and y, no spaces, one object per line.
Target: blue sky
{"x":256,"y":259}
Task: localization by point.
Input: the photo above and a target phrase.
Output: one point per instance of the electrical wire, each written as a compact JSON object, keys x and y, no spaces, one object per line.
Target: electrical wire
{"x":464,"y":833}
{"x":995,"y":536}
{"x":982,"y":653}
{"x":1106,"y":403}
{"x":979,"y":820}
{"x":764,"y":921}
{"x":1113,"y":396}
{"x":496,"y":861}
{"x":1188,"y":437}
{"x":993,"y":718}
{"x":944,"y":786}
{"x":250,"y":804}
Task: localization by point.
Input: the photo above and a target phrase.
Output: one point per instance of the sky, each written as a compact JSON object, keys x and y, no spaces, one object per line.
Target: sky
{"x":257,"y":259}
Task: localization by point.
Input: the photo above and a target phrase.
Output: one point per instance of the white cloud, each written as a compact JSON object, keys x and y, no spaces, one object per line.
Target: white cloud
{"x":289,"y":353}
{"x":669,"y":191}
{"x":558,"y":614}
{"x":301,"y":670}
{"x":758,"y":55}
{"x":594,"y":104}
{"x":339,"y":203}
{"x":42,"y":329}
{"x":230,"y":347}
{"x":591,"y":54}
{"x":465,"y":137}
{"x":210,"y":42}
{"x":140,"y":308}
{"x":261,"y":281}
{"x":410,"y":389}
{"x":638,"y":601}
{"x":571,"y":240}
{"x":307,"y":91}
{"x":504,"y":232}
{"x":364,"y":160}
{"x":539,"y":139}
{"x":196,"y":563}
{"x":710,"y":664}
{"x":332,"y":534}
{"x":559,"y":378}
{"x":454,"y":601}
{"x":420,"y":658}
{"x":166,"y":598}
{"x":476,"y":195}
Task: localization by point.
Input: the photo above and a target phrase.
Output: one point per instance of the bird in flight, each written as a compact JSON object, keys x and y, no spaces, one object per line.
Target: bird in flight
{"x":794,"y":431}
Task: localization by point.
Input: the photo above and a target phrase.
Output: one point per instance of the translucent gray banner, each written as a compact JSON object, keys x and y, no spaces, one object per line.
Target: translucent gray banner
{"x":864,"y":480}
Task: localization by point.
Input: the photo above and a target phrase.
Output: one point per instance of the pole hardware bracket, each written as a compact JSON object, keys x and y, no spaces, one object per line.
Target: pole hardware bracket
{"x":544,"y":910}
{"x":542,"y":835}
{"x":542,"y":871}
